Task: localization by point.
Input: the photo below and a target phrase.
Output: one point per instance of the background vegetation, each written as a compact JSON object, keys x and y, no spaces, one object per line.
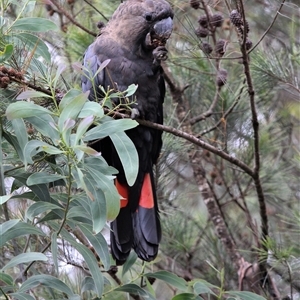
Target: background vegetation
{"x":227,"y":178}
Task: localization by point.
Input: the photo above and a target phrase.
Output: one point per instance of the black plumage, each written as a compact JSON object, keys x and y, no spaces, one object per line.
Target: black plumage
{"x":134,"y":42}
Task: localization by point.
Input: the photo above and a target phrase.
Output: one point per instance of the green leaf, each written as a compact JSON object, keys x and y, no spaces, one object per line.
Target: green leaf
{"x":20,"y":132}
{"x":48,"y":281}
{"x":44,"y":125}
{"x":71,"y":111}
{"x":39,"y":208}
{"x":54,"y":250}
{"x":14,"y":142}
{"x":43,"y":177}
{"x":6,"y":53}
{"x":21,"y":296}
{"x":83,"y":127}
{"x":98,"y":203}
{"x":68,"y":98}
{"x":24,"y":258}
{"x":40,"y":190}
{"x":90,"y":260}
{"x":99,"y":243}
{"x":5,"y":198}
{"x":134,"y":289}
{"x":34,"y":25}
{"x":131,"y":90}
{"x":202,"y":287}
{"x":129,"y":262}
{"x":34,"y":43}
{"x":187,"y":296}
{"x":32,"y":94}
{"x":7,"y":225}
{"x":128,"y":155}
{"x":108,"y":128}
{"x":19,"y":229}
{"x":24,"y":109}
{"x":6,"y":279}
{"x":243,"y":295}
{"x":34,"y":146}
{"x":169,"y":278}
{"x":112,"y":198}
{"x":87,"y":284}
{"x":91,"y":109}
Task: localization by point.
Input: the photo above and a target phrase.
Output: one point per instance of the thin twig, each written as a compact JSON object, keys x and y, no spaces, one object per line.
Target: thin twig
{"x":269,"y":28}
{"x":68,"y":16}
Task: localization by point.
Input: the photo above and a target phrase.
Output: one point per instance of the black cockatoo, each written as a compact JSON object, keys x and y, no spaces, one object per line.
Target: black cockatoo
{"x":134,"y":42}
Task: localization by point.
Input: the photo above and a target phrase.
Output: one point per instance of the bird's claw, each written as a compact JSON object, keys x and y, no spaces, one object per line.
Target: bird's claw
{"x":160,"y":53}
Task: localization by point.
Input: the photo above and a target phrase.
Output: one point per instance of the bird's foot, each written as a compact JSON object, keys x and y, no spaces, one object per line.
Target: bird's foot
{"x":160,"y":53}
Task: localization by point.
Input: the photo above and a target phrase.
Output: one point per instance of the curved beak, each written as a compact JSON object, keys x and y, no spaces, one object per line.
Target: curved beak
{"x":163,"y":29}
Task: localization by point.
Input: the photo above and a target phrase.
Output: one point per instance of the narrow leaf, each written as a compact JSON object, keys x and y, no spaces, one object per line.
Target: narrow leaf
{"x":40,"y":207}
{"x":244,"y":295}
{"x":25,"y":258}
{"x":128,"y":155}
{"x":54,"y":250}
{"x":187,"y":296}
{"x":6,"y":53}
{"x":5,"y":198}
{"x":32,"y":94}
{"x":7,"y":225}
{"x":90,"y":260}
{"x":129,"y":262}
{"x":19,"y":229}
{"x":24,"y":109}
{"x":135,"y":289}
{"x":48,"y":281}
{"x":99,"y":243}
{"x":169,"y":278}
{"x":43,"y":177}
{"x":34,"y":43}
{"x":34,"y":25}
{"x":21,"y":296}
{"x":108,"y":128}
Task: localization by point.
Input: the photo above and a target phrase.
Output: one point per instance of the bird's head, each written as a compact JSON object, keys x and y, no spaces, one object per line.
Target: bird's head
{"x":142,"y":23}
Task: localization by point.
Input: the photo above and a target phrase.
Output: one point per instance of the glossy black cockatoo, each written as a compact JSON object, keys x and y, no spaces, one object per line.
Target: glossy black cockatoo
{"x":134,"y":42}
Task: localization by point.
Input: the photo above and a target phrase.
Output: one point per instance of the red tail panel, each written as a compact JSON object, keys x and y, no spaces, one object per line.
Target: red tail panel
{"x":123,"y":191}
{"x":146,"y":198}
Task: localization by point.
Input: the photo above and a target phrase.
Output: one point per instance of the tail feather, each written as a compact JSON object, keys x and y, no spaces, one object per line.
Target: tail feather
{"x":146,"y":224}
{"x":139,"y":227}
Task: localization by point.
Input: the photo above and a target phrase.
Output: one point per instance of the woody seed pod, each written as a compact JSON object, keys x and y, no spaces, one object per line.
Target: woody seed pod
{"x":195,"y":4}
{"x":206,"y":48}
{"x":248,"y":44}
{"x":221,"y":77}
{"x":3,"y":69}
{"x":217,"y":20}
{"x":220,"y":47}
{"x":236,"y":18}
{"x":203,"y":21}
{"x":201,"y":32}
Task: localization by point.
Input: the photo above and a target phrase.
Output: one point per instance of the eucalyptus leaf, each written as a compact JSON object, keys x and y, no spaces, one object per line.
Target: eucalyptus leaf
{"x":108,"y":128}
{"x":47,"y":281}
{"x":35,"y":44}
{"x":34,"y":25}
{"x":99,"y":243}
{"x":43,"y":177}
{"x":24,"y":258}
{"x":38,"y":208}
{"x":169,"y":278}
{"x":21,"y":296}
{"x":20,"y":229}
{"x":128,"y":155}
{"x":24,"y":109}
{"x":6,"y":53}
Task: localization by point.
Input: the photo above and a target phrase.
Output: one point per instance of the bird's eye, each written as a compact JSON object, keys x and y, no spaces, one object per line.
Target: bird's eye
{"x":148,"y":17}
